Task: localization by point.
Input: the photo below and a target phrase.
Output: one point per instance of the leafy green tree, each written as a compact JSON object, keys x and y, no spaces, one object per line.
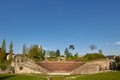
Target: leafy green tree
{"x":67,"y":53}
{"x":118,"y":67}
{"x":52,"y":53}
{"x":34,"y":52}
{"x":44,"y":53}
{"x":41,"y":53}
{"x":117,"y":60}
{"x":76,"y":55}
{"x":93,"y":56}
{"x":57,"y":53}
{"x":11,"y":51}
{"x":24,"y":50}
{"x":3,"y":51}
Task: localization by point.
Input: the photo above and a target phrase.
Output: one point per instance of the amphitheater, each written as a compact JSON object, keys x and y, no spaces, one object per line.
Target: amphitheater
{"x":25,"y":65}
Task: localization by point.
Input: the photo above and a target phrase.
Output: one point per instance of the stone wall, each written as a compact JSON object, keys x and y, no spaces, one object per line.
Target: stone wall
{"x":104,"y":64}
{"x":87,"y":68}
{"x":25,"y":65}
{"x":28,"y":67}
{"x":92,"y":67}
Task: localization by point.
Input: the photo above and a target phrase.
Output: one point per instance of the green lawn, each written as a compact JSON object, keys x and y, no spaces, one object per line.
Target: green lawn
{"x":21,"y":77}
{"x":100,"y":76}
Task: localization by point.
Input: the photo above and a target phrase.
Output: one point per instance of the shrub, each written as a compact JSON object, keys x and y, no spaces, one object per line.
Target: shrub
{"x":93,"y":56}
{"x":4,"y":65}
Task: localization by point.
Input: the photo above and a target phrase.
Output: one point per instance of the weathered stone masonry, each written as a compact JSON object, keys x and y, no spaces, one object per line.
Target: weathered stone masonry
{"x":25,"y":65}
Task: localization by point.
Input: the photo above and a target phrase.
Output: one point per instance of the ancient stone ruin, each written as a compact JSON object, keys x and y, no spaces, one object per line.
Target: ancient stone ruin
{"x":25,"y":65}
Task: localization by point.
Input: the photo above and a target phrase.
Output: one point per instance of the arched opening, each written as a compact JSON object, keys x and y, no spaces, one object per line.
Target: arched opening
{"x":20,"y":68}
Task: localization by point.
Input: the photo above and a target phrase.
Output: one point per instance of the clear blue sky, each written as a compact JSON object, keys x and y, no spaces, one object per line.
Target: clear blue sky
{"x":55,"y":24}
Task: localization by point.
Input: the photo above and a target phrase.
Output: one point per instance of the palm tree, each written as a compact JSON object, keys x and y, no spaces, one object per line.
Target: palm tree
{"x":71,"y":47}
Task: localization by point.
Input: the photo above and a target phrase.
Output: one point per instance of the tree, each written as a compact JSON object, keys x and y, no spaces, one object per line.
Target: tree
{"x":93,"y":56}
{"x":92,"y":47}
{"x":52,"y":53}
{"x":11,"y":51}
{"x":57,"y":53}
{"x":34,"y":52}
{"x":41,"y":53}
{"x":24,"y":51}
{"x":117,"y":60}
{"x":76,"y":55}
{"x":44,"y":53}
{"x":66,"y":52}
{"x":3,"y":51}
{"x":71,"y":47}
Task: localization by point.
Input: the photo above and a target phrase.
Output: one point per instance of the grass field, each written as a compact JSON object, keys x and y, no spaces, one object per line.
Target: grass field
{"x":100,"y":76}
{"x":22,"y":77}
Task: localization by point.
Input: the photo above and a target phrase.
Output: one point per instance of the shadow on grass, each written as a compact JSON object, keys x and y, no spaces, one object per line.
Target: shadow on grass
{"x":6,"y":77}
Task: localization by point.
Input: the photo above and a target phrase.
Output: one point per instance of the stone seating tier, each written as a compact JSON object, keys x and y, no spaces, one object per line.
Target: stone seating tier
{"x":60,"y":66}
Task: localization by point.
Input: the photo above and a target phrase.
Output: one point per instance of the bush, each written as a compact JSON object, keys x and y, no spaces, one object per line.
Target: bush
{"x":93,"y":56}
{"x":118,"y":66}
{"x":4,"y":65}
{"x":117,"y":59}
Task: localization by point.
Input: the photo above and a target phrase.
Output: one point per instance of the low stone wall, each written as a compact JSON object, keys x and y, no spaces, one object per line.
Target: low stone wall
{"x":28,"y":67}
{"x":87,"y":68}
{"x":92,"y":67}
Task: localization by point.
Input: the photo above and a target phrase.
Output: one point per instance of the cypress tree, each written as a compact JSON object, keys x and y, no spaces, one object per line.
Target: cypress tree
{"x":41,"y":52}
{"x":24,"y":52}
{"x":11,"y":51}
{"x":57,"y":53}
{"x":3,"y":51}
